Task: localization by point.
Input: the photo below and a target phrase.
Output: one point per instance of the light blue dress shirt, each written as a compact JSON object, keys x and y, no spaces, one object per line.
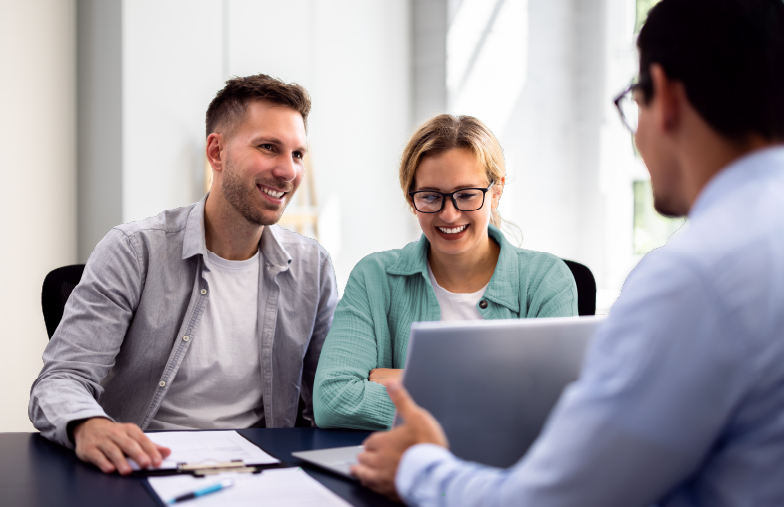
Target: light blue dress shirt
{"x":681,"y":397}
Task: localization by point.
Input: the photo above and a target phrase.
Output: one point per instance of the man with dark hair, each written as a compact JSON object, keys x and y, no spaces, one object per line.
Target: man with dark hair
{"x":208,"y":316}
{"x":681,"y":397}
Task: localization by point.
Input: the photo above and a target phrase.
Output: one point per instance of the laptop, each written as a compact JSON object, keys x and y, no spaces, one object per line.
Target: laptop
{"x":491,"y":384}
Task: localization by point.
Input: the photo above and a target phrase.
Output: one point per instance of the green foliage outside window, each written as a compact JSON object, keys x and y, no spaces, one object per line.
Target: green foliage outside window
{"x":642,"y":8}
{"x":651,"y":230}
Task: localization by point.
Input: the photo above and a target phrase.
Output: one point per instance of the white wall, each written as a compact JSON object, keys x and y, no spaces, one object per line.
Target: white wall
{"x":99,"y":149}
{"x":362,"y":120}
{"x":38,"y":207}
{"x":538,"y":136}
{"x":171,"y":70}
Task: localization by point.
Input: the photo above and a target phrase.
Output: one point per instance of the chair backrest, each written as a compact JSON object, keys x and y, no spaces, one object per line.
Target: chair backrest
{"x":58,"y":286}
{"x":586,"y":288}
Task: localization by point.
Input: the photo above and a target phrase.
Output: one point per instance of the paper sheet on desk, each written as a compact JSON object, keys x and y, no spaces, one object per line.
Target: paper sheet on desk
{"x":207,"y":446}
{"x":283,"y":487}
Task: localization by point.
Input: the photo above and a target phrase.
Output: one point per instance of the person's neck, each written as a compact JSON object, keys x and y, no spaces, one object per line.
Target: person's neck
{"x":467,"y":272}
{"x":227,"y":233}
{"x":706,"y":154}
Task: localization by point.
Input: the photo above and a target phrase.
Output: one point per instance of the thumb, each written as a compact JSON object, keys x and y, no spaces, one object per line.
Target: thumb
{"x":404,"y":404}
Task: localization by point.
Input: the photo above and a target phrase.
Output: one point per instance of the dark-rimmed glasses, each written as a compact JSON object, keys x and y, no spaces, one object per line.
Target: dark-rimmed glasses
{"x":628,"y":108}
{"x":465,"y":199}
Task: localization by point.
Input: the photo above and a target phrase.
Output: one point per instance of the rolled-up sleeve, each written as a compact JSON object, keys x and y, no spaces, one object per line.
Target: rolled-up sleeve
{"x":88,"y":339}
{"x":343,"y":395}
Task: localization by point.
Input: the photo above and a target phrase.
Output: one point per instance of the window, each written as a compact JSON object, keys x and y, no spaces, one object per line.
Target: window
{"x":642,"y":8}
{"x":651,"y":230}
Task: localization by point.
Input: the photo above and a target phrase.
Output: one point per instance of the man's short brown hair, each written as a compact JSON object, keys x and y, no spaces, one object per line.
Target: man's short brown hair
{"x":228,"y":107}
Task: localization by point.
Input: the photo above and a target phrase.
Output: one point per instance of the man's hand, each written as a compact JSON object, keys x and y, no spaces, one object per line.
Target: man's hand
{"x":384,"y":375}
{"x":106,"y":444}
{"x":378,"y":464}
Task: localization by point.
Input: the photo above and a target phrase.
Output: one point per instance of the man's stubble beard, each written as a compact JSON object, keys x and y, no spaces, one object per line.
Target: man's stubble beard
{"x":242,"y":198}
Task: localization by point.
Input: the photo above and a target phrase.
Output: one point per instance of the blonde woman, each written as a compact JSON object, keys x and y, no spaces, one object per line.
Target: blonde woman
{"x":452,"y":174}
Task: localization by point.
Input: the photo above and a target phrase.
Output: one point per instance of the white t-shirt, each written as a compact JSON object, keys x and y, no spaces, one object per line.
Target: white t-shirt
{"x":456,"y":306}
{"x":218,"y":384}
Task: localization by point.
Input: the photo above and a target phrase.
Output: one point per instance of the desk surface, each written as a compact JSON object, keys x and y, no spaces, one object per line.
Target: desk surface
{"x":35,"y":472}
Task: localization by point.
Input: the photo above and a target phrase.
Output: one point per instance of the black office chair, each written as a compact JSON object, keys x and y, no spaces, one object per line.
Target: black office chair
{"x":57,"y":288}
{"x":586,"y":288}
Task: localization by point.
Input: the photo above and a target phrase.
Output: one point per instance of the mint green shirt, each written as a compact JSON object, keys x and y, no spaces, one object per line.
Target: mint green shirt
{"x":387,"y":291}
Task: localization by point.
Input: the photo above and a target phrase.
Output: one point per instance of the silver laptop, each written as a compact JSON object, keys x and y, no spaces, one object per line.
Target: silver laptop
{"x":491,"y":384}
{"x":337,"y":459}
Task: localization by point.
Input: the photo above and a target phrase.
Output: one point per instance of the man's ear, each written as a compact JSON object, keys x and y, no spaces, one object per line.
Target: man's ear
{"x":667,"y":97}
{"x":214,"y":151}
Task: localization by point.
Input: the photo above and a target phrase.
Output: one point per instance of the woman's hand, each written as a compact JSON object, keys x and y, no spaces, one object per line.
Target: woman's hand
{"x":384,"y":375}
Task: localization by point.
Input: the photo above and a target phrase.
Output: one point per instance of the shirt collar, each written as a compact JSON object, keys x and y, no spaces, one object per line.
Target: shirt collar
{"x":195,"y":241}
{"x":743,"y":171}
{"x":504,"y":284}
{"x":272,"y":248}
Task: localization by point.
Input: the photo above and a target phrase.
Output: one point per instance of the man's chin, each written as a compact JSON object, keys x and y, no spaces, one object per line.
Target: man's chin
{"x":669,"y":210}
{"x":269,"y":218}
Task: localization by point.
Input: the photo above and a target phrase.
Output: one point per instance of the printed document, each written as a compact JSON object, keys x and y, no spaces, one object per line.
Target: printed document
{"x":281,"y":487}
{"x":207,"y":447}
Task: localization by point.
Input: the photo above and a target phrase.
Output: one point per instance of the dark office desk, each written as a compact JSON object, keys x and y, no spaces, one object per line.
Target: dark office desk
{"x":35,"y":472}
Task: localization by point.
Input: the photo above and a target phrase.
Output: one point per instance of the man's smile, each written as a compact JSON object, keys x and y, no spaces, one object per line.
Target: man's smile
{"x":273,"y":193}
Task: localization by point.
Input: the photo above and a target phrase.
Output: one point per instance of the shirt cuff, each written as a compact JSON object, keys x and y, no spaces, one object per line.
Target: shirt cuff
{"x":62,"y":434}
{"x":413,"y":467}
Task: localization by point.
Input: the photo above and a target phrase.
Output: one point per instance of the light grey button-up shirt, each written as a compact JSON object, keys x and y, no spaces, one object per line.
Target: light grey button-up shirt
{"x":122,"y":336}
{"x":681,"y":399}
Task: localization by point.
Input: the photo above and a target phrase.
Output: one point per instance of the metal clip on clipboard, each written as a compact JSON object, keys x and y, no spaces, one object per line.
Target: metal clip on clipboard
{"x":204,"y":469}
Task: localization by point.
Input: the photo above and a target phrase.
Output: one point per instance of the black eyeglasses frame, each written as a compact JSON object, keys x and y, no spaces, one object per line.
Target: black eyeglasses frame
{"x":451,"y":196}
{"x":644,"y":85}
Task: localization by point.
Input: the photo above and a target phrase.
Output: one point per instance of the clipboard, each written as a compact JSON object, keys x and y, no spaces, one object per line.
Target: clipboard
{"x":202,"y":453}
{"x":204,"y":469}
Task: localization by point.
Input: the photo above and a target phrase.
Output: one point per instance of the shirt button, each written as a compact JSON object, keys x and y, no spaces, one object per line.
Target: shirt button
{"x":483,"y":304}
{"x":162,"y":383}
{"x":204,"y":291}
{"x":186,"y":338}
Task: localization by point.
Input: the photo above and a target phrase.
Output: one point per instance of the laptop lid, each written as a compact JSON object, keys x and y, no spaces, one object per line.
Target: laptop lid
{"x":337,"y":459}
{"x":492,"y":384}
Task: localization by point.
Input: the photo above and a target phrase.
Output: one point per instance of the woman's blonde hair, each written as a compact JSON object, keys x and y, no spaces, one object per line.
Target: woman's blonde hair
{"x":445,"y":132}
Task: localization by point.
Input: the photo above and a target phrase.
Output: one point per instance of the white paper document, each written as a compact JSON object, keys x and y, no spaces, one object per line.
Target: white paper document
{"x":207,"y":447}
{"x":282,"y":487}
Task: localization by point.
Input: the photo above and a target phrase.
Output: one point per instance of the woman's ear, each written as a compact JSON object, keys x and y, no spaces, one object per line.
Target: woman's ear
{"x":497,"y":191}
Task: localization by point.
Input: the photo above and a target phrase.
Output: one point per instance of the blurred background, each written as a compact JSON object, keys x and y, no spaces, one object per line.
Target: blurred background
{"x":103,"y":106}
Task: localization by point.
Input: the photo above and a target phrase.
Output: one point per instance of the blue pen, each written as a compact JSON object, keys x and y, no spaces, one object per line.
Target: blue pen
{"x":226,"y":483}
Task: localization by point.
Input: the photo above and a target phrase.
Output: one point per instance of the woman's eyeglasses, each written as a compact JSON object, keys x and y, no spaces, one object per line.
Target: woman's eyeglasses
{"x":465,"y":199}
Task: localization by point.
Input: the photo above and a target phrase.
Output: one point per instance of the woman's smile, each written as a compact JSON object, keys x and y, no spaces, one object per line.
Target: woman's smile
{"x":452,"y":232}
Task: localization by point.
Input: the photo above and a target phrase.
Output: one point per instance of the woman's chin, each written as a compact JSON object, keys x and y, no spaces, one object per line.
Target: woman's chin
{"x":451,"y":247}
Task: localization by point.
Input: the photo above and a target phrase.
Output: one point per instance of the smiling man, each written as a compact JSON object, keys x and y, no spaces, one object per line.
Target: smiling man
{"x":208,"y":316}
